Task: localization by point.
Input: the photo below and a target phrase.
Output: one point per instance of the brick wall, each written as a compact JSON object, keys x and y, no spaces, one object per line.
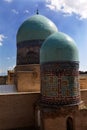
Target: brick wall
{"x":83,"y":81}
{"x":3,"y":80}
{"x":17,"y":110}
{"x":84,"y":96}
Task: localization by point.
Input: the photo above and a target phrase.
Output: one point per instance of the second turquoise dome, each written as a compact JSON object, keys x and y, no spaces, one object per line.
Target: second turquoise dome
{"x":36,"y":27}
{"x":59,"y":47}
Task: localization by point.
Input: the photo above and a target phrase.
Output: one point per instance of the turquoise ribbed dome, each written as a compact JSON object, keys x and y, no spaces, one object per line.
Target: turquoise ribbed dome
{"x":58,"y":47}
{"x":36,"y":27}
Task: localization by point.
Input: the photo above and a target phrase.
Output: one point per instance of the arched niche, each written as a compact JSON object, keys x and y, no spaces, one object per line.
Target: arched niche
{"x":70,"y":123}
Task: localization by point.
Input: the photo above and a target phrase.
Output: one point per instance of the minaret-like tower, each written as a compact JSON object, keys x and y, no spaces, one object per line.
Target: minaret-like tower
{"x":60,"y":91}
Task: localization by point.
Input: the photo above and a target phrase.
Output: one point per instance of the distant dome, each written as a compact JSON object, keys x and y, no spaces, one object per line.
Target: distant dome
{"x":30,"y":37}
{"x":59,"y":65}
{"x":36,"y":27}
{"x":59,"y":47}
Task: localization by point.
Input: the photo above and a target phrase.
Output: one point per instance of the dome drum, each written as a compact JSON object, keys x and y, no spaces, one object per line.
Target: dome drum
{"x":59,"y":83}
{"x":28,"y":52}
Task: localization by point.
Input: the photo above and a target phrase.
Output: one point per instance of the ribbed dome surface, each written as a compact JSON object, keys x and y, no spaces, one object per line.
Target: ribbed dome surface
{"x":59,"y":47}
{"x":36,"y":27}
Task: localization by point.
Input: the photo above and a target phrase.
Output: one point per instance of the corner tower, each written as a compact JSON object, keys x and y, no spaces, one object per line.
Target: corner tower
{"x":30,"y":37}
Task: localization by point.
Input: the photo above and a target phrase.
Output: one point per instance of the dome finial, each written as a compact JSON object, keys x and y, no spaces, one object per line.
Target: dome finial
{"x":37,"y":11}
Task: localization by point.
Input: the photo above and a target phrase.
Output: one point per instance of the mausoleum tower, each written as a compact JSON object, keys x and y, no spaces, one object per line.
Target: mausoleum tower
{"x":59,"y":70}
{"x":60,"y":91}
{"x":30,"y":37}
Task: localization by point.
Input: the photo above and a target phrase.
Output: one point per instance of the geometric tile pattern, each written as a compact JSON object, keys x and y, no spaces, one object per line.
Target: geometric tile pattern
{"x":59,"y":83}
{"x":28,"y":52}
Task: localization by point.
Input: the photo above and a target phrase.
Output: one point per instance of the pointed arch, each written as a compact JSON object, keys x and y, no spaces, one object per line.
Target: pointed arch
{"x":70,"y":124}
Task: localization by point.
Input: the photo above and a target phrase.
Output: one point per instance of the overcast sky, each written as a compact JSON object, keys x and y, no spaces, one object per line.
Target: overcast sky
{"x":70,"y":16}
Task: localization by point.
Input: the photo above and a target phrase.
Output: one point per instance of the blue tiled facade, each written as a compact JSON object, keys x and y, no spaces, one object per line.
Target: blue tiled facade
{"x":59,"y":83}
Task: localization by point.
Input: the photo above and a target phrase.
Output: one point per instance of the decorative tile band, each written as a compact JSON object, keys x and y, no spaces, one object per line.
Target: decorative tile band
{"x":59,"y":83}
{"x":28,"y":52}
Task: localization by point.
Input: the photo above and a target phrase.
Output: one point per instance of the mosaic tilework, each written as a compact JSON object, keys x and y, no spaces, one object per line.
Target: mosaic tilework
{"x":59,"y":83}
{"x":28,"y":52}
